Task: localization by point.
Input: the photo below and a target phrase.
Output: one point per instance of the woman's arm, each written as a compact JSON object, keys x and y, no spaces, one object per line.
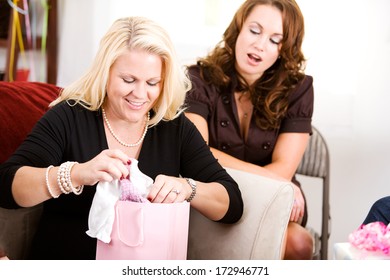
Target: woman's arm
{"x":218,"y":196}
{"x":285,"y":160}
{"x":288,"y":153}
{"x":108,"y":165}
{"x":226,"y":159}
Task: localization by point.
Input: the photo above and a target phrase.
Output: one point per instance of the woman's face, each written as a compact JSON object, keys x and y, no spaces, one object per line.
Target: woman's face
{"x":259,"y":42}
{"x":134,"y":85}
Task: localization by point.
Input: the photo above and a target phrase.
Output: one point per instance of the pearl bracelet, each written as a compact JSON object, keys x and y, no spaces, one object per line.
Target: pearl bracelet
{"x":61,"y":178}
{"x":47,"y":182}
{"x":64,"y":180}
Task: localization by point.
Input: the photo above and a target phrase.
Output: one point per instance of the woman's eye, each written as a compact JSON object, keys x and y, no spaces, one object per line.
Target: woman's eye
{"x":128,"y":81}
{"x":255,"y":31}
{"x":154,"y":83}
{"x":276,"y":40}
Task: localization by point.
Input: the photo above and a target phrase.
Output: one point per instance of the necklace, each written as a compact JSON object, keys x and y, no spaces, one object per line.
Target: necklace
{"x":117,"y":138}
{"x":244,"y":104}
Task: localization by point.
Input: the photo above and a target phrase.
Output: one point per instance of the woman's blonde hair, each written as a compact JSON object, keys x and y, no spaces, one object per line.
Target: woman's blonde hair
{"x":127,"y":34}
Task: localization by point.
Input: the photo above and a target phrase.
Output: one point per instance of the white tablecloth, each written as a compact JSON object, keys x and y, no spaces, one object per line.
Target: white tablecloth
{"x":345,"y":251}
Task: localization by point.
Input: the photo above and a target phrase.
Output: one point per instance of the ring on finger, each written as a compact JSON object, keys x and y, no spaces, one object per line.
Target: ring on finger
{"x":175,"y":191}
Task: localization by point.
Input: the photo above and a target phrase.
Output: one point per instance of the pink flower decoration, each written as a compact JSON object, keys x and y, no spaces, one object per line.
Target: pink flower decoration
{"x":372,"y":237}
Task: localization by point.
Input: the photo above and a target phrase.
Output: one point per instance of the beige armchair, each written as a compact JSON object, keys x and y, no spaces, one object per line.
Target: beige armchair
{"x":260,"y":232}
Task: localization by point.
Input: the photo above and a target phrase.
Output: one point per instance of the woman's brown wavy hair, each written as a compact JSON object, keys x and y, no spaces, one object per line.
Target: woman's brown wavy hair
{"x":269,"y":94}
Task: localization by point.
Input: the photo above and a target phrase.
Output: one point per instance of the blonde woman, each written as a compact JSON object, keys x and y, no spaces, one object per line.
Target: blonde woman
{"x":128,"y":105}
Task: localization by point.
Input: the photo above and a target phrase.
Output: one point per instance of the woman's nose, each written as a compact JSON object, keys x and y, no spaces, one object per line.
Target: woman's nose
{"x":140,"y":89}
{"x":260,"y":43}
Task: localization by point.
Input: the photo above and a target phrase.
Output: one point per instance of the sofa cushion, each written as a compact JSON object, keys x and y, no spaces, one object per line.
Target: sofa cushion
{"x":21,"y":105}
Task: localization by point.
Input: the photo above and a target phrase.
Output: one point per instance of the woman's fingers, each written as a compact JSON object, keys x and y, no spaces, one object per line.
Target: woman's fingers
{"x":106,"y":166}
{"x":298,"y":205}
{"x":167,"y":189}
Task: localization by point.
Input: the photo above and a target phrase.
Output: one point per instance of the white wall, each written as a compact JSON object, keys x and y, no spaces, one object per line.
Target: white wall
{"x":347,"y":44}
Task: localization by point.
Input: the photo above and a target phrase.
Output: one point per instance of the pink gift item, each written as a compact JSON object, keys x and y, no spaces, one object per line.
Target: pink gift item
{"x":142,"y":230}
{"x":147,"y":231}
{"x":130,"y":192}
{"x":373,"y":237}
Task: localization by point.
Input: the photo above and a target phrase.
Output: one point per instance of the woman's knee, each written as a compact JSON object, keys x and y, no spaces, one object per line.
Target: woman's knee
{"x":299,"y":243}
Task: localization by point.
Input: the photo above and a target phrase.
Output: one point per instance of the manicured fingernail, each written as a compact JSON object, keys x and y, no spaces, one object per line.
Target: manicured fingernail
{"x":129,"y":162}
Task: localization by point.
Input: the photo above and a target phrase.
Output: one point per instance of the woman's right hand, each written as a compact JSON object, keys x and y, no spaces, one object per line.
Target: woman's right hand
{"x":106,"y":166}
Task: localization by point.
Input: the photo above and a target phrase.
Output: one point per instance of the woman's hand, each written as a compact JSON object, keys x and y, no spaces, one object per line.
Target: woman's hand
{"x":106,"y":166}
{"x":3,"y":255}
{"x":298,"y":206}
{"x":168,"y":189}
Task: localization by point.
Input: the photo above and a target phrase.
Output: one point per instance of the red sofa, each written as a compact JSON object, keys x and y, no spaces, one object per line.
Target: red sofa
{"x":21,"y":105}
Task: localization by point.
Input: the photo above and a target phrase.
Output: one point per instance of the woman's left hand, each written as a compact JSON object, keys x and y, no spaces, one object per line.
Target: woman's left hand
{"x":168,"y":189}
{"x":3,"y":255}
{"x":298,"y":206}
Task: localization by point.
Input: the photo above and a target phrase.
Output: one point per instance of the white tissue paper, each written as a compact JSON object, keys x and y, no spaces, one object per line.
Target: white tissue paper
{"x":102,"y":212}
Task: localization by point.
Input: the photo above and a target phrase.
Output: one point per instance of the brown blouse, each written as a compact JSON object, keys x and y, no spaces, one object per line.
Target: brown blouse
{"x":220,"y":111}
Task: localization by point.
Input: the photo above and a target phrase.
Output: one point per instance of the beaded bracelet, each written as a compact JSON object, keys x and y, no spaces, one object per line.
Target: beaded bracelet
{"x":64,"y":180}
{"x":47,"y":182}
{"x":61,"y":178}
{"x":76,"y":190}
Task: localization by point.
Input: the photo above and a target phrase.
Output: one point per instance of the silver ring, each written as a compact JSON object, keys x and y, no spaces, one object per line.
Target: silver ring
{"x":175,"y":191}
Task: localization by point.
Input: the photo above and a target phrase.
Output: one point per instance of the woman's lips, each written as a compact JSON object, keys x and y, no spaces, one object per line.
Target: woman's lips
{"x":254,"y":57}
{"x":135,"y":105}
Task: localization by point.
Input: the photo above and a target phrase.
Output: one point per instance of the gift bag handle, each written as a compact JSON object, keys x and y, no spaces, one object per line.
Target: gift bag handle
{"x":130,"y":234}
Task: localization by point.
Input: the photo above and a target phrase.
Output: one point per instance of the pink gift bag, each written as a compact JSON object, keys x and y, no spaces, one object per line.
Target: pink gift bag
{"x":147,"y":231}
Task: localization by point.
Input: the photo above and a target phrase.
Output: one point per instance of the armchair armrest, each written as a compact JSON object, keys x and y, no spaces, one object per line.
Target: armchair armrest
{"x":17,"y":228}
{"x":260,"y":232}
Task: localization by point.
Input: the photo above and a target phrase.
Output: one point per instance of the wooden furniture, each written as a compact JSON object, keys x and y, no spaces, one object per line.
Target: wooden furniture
{"x":6,"y":41}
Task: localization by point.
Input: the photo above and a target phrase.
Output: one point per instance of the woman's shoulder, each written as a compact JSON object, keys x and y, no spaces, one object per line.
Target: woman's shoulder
{"x":194,"y":73}
{"x":202,"y":91}
{"x":304,"y":86}
{"x":306,"y":82}
{"x":70,"y":106}
{"x":177,"y":123}
{"x":301,"y":99}
{"x":193,"y":70}
{"x":181,"y":126}
{"x":69,"y":110}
